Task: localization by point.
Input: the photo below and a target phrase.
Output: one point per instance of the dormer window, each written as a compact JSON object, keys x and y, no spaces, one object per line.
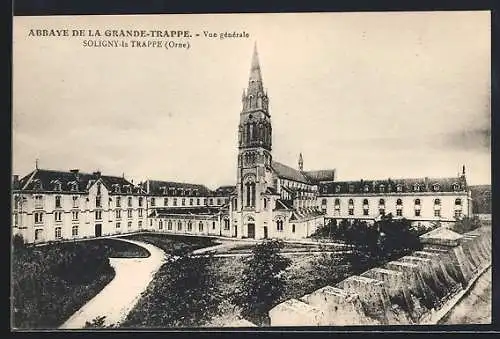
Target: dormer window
{"x":351,"y":188}
{"x":74,"y":186}
{"x":456,"y":187}
{"x":436,"y":187}
{"x":366,"y":188}
{"x":337,"y":189}
{"x":399,"y":188}
{"x":128,"y":189}
{"x":57,"y":186}
{"x":37,"y":184}
{"x":117,"y":189}
{"x":164,"y":190}
{"x":416,"y":187}
{"x":381,"y":188}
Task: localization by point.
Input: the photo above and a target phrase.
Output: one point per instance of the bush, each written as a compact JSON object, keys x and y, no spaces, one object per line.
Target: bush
{"x":263,"y":281}
{"x":50,"y":283}
{"x":466,"y":224}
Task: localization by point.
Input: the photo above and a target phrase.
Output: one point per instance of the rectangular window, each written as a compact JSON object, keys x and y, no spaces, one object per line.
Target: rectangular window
{"x":38,"y":201}
{"x":198,"y":202}
{"x":140,"y":223}
{"x":165,"y":201}
{"x":140,"y":212}
{"x":58,"y":201}
{"x":74,"y":231}
{"x":38,"y":217}
{"x":175,"y":201}
{"x":200,"y":227}
{"x":191,"y":202}
{"x":129,"y":213}
{"x":58,"y":233}
{"x":179,"y":226}
{"x":118,"y":202}
{"x":211,"y":201}
{"x":399,"y":212}
{"x":218,"y":201}
{"x":98,"y":215}
{"x":365,"y":212}
{"x":118,"y":214}
{"x":98,"y":202}
{"x":183,"y":203}
{"x":351,"y":211}
{"x":153,"y":202}
{"x":129,"y":224}
{"x":58,"y":216}
{"x":140,"y":201}
{"x":417,"y":213}
{"x":129,"y":202}
{"x":381,"y":211}
{"x":118,"y":225}
{"x":437,"y":213}
{"x":38,"y":234}
{"x":75,"y":201}
{"x":458,"y":213}
{"x":293,"y":228}
{"x":150,"y":222}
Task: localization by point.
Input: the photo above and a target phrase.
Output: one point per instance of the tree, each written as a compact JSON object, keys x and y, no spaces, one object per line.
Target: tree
{"x":263,"y":282}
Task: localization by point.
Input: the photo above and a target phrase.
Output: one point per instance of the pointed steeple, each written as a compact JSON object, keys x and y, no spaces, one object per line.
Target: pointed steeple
{"x":255,"y":80}
{"x":301,"y":162}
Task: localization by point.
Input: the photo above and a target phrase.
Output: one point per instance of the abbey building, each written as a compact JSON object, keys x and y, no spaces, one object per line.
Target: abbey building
{"x":269,"y":199}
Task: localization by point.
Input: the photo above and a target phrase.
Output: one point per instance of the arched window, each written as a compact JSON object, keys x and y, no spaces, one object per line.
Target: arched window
{"x":179,"y":225}
{"x":160,"y":224}
{"x":190,"y":226}
{"x":351,"y":202}
{"x":437,"y":202}
{"x":337,"y":202}
{"x":381,"y":188}
{"x":381,"y":202}
{"x":169,"y":225}
{"x":366,"y":188}
{"x":458,"y":202}
{"x":323,"y":202}
{"x":417,"y":202}
{"x":416,"y":187}
{"x":436,"y":187}
{"x":399,"y":202}
{"x":399,"y":188}
{"x":365,"y":202}
{"x":200,"y":226}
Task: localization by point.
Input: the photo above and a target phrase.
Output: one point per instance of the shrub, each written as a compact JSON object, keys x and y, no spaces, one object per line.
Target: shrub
{"x":466,"y":224}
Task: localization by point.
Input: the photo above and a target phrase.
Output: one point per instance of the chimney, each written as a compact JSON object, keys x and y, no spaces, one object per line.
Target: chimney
{"x":97,"y":174}
{"x":76,"y":172}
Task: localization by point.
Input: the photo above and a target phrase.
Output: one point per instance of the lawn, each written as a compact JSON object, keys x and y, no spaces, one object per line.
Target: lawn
{"x":50,"y":283}
{"x":174,"y":244}
{"x":288,"y":247}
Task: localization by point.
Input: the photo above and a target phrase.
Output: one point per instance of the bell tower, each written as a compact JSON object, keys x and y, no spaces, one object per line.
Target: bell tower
{"x":254,"y":153}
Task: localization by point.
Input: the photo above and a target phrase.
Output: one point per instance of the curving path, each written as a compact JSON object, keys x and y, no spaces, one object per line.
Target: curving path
{"x":117,"y":299}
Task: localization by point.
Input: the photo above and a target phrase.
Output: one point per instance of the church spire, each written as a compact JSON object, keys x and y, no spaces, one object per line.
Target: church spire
{"x":301,"y":162}
{"x":255,"y":80}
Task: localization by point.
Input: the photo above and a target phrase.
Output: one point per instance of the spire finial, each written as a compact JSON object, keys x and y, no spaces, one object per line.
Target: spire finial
{"x":255,"y":74}
{"x":36,"y":163}
{"x":301,"y":162}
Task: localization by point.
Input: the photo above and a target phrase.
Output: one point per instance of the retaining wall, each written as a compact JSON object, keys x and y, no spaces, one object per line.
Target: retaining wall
{"x":409,"y":290}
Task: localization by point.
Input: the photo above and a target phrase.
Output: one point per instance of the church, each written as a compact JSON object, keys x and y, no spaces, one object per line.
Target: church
{"x":269,"y":199}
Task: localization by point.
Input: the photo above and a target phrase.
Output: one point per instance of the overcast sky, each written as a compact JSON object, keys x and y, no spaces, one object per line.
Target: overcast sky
{"x":374,"y":95}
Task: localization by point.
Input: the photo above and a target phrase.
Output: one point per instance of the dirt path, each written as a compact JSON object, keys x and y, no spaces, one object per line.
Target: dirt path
{"x":475,"y":307}
{"x":115,"y":301}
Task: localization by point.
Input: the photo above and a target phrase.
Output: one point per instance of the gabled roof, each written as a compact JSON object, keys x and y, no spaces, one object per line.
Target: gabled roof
{"x":44,"y":180}
{"x":202,"y":210}
{"x":395,"y":185}
{"x":287,"y":172}
{"x":172,"y":188}
{"x":321,"y":175}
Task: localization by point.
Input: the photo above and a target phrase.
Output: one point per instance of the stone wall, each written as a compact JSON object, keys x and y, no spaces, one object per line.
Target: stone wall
{"x":409,"y":290}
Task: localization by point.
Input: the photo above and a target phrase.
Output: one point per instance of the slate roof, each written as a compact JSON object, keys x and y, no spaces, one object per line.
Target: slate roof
{"x":225,"y":190}
{"x":43,"y":180}
{"x":321,"y":175}
{"x":171,"y":188}
{"x":287,"y":172}
{"x":392,"y":185}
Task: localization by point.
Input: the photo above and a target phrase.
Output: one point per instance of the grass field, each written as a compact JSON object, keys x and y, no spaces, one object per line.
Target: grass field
{"x":174,"y":244}
{"x":50,"y":283}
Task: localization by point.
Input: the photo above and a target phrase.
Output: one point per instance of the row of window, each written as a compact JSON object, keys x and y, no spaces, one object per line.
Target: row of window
{"x":199,"y":201}
{"x":170,"y":224}
{"x":399,"y":202}
{"x":98,"y":202}
{"x":129,"y":224}
{"x":399,"y":212}
{"x":399,"y":188}
{"x":74,"y":214}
